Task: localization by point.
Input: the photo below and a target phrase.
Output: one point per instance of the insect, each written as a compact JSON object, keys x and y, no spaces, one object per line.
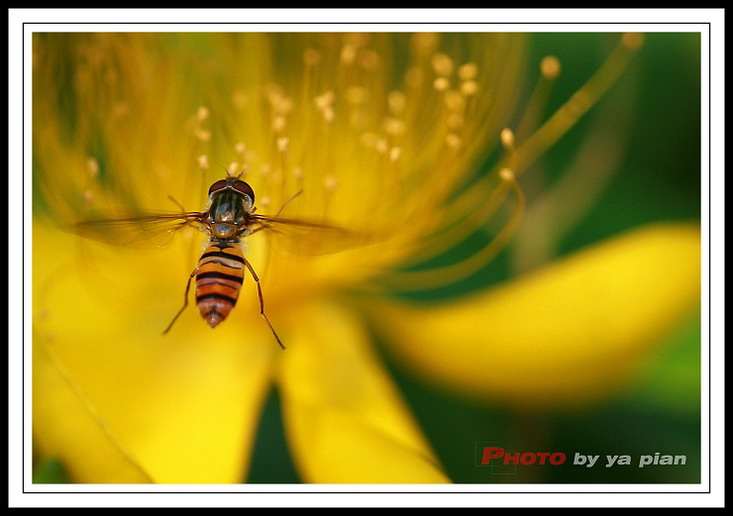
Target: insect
{"x":219,"y":274}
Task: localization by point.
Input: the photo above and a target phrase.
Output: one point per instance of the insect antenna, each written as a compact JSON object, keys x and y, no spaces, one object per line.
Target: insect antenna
{"x":177,"y":203}
{"x":296,"y":194}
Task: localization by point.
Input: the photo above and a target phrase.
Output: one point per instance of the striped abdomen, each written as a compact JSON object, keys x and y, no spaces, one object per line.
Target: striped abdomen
{"x":219,"y":278}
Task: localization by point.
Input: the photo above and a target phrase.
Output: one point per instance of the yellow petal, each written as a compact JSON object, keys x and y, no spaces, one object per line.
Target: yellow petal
{"x":345,"y":420}
{"x":117,"y":402}
{"x":563,"y":334}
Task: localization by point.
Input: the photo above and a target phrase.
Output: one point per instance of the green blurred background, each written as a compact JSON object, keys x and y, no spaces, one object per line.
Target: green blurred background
{"x":658,"y":179}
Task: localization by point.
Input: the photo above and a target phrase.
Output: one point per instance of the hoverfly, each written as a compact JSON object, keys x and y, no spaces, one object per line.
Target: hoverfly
{"x":228,"y":218}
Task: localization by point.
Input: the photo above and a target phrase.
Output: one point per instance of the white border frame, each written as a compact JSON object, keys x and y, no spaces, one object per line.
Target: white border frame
{"x":710,"y":22}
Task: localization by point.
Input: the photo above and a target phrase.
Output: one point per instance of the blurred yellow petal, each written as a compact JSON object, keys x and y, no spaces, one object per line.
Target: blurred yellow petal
{"x":115,"y":401}
{"x":345,"y":420}
{"x":563,"y":334}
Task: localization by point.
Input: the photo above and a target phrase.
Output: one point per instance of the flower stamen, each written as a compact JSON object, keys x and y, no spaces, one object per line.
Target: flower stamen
{"x":450,"y":274}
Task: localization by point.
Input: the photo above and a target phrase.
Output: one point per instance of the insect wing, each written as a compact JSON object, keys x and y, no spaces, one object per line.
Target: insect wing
{"x":304,"y":237}
{"x":147,"y":231}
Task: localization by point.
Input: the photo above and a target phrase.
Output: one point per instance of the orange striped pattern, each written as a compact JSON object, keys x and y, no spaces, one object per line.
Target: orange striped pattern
{"x":219,"y":279}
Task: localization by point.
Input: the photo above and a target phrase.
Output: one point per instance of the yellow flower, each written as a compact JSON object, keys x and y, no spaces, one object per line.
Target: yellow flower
{"x":382,"y":134}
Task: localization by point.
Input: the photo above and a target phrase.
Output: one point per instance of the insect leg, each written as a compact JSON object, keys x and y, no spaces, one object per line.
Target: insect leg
{"x":185,"y":300}
{"x":262,"y":301}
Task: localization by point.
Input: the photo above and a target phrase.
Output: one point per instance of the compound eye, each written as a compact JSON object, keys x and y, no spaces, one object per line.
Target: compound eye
{"x":219,"y":185}
{"x":244,"y":188}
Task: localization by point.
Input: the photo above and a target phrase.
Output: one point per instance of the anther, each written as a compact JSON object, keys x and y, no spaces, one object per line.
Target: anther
{"x":394,"y":153}
{"x":324,"y":100}
{"x":396,"y":100}
{"x":414,"y":77}
{"x":425,"y":41}
{"x":330,"y":183}
{"x":311,"y":57}
{"x":394,"y":126}
{"x":279,"y":123}
{"x":469,"y":88}
{"x":368,"y":60}
{"x":203,"y":135}
{"x":381,"y":146}
{"x":506,"y":175}
{"x":239,"y":99}
{"x":550,"y":67}
{"x":203,"y":162}
{"x":632,"y":40}
{"x":441,"y":84}
{"x":328,"y":114}
{"x":202,"y":113}
{"x":453,"y":140}
{"x":442,"y":64}
{"x":282,"y":144}
{"x":468,"y":71}
{"x":92,"y":166}
{"x":348,"y":54}
{"x":507,"y":138}
{"x":356,"y":95}
{"x":454,"y":101}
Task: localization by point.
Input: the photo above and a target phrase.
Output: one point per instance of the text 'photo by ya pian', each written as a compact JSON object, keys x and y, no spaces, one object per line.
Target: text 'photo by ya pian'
{"x":406,"y":258}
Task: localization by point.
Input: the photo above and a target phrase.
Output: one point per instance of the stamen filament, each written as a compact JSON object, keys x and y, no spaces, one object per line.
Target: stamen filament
{"x":554,"y":128}
{"x":570,"y":112}
{"x":450,"y":274}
